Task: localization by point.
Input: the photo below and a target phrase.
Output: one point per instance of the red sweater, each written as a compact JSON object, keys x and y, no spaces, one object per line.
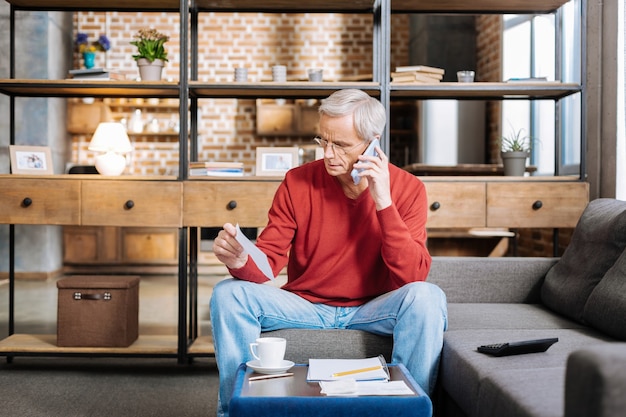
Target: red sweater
{"x":342,"y":252}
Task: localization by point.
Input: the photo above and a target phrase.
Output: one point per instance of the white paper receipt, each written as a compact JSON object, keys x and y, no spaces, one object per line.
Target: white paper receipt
{"x":259,"y":258}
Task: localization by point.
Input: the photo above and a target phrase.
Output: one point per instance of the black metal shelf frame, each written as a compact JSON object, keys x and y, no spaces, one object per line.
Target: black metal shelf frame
{"x":189,"y":90}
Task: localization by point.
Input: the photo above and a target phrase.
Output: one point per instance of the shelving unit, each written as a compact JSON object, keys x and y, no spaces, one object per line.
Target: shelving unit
{"x":206,"y":203}
{"x":139,"y":190}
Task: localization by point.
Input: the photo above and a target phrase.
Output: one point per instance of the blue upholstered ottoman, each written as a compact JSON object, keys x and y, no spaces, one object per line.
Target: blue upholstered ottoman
{"x":294,"y":396}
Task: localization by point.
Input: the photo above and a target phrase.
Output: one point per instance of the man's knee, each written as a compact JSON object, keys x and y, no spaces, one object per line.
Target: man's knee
{"x":425,"y":291}
{"x":225,"y":291}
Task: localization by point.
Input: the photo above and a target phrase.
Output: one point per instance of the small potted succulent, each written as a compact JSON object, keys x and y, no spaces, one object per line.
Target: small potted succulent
{"x":514,"y":150}
{"x":151,"y":53}
{"x":89,"y":49}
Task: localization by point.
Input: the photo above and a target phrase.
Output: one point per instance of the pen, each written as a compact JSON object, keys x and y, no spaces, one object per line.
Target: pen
{"x":357,"y":371}
{"x":258,"y":378}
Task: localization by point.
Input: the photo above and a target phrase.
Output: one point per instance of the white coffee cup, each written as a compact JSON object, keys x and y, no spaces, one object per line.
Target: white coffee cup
{"x":269,"y":351}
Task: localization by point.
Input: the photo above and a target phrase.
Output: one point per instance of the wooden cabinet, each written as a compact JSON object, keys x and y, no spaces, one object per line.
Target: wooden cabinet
{"x":91,"y":206}
{"x":213,"y":203}
{"x":131,"y":203}
{"x":498,"y":202}
{"x":89,"y":245}
{"x":455,"y":205}
{"x":39,"y":201}
{"x":536,"y":204}
{"x":119,"y":246}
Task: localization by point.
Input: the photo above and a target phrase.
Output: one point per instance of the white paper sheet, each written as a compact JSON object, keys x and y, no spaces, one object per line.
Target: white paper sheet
{"x":363,"y":388}
{"x":326,"y":369}
{"x":259,"y":258}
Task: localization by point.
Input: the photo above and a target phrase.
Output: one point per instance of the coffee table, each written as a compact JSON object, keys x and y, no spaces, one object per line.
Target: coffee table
{"x":294,"y":396}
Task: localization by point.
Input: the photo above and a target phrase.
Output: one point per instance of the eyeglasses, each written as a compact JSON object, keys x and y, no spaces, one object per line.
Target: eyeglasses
{"x":338,"y":149}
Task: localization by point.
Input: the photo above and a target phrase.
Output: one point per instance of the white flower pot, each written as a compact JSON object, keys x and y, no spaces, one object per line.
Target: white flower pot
{"x":150,"y":71}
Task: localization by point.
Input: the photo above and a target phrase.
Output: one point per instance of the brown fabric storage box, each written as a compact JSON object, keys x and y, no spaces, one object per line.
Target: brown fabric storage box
{"x":98,"y":311}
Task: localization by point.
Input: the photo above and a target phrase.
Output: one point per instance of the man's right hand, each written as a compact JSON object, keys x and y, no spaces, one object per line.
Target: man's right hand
{"x":228,"y":250}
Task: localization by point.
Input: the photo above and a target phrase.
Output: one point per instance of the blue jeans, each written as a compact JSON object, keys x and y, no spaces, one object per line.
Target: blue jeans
{"x":415,"y":315}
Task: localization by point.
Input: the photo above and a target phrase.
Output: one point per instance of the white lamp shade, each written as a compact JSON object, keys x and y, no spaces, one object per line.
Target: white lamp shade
{"x":110,"y":137}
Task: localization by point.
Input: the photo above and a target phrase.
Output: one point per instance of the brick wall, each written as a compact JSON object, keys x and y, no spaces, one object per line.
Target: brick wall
{"x":340,"y":43}
{"x":489,"y":68}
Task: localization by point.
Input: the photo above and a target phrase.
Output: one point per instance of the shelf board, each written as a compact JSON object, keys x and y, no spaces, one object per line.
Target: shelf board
{"x":286,"y":6}
{"x":202,"y":346}
{"x":90,"y":177}
{"x":110,"y":5}
{"x":290,"y":6}
{"x":160,"y":134}
{"x":254,"y":90}
{"x":71,"y":88}
{"x":32,"y":344}
{"x":477,"y":6}
{"x":486,"y":91}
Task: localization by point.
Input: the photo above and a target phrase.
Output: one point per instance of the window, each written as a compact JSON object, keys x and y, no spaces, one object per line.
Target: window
{"x":543,"y":46}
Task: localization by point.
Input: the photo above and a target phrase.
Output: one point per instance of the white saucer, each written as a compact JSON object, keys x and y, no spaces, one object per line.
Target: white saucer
{"x":256,"y":367}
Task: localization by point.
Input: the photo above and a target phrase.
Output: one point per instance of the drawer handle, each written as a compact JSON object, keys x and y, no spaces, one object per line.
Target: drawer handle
{"x":537,"y":205}
{"x":435,"y":206}
{"x":232,"y":204}
{"x":26,"y":202}
{"x":80,"y":296}
{"x":129,"y":204}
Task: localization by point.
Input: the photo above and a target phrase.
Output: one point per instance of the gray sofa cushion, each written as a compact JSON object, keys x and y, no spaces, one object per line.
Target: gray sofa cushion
{"x":490,"y":280}
{"x":594,"y":381}
{"x":463,"y":370}
{"x":463,"y":316}
{"x":598,"y":240}
{"x":523,"y":393}
{"x":606,"y":307}
{"x":304,"y":344}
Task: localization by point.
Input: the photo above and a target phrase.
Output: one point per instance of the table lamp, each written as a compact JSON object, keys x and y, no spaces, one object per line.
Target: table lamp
{"x":111,"y":139}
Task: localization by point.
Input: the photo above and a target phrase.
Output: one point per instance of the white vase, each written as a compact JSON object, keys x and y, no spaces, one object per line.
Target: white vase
{"x":514,"y":163}
{"x":150,"y":71}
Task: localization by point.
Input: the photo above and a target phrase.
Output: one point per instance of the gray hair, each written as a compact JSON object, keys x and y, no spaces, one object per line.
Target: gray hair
{"x":369,"y":114}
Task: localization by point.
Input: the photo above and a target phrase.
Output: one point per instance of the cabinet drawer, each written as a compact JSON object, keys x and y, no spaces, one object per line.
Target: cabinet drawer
{"x":213,"y":203}
{"x":39,"y":201}
{"x":89,"y":245}
{"x":455,"y":204}
{"x":131,"y":203}
{"x":149,"y":245}
{"x":551,"y":205}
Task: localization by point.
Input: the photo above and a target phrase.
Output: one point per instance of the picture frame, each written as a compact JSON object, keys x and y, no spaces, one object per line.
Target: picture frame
{"x":31,"y":160}
{"x":275,"y":161}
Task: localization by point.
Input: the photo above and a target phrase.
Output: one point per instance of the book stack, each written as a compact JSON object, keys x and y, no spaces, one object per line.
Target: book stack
{"x":95,"y":74}
{"x":417,"y":74}
{"x":216,"y":169}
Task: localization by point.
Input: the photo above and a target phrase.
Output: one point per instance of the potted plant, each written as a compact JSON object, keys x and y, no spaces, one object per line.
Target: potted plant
{"x":151,"y":53}
{"x":89,"y":49}
{"x":514,"y":150}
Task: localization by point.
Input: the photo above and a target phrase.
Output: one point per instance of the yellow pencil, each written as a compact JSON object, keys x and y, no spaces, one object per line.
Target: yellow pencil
{"x":357,"y":371}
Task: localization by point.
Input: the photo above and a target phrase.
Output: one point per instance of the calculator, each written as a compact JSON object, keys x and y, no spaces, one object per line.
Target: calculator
{"x":518,"y":348}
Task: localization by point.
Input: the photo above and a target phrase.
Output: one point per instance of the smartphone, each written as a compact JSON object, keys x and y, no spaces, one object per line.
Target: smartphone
{"x":370,"y":151}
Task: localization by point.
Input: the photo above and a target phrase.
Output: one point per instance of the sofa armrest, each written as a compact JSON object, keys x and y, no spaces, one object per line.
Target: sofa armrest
{"x":490,"y":280}
{"x":596,"y":381}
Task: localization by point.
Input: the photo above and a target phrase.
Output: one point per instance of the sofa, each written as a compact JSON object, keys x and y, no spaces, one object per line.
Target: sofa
{"x":580,"y":298}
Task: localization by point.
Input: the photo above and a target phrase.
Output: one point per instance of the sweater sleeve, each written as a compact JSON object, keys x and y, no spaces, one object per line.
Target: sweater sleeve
{"x":275,"y":240}
{"x":403,"y":230}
